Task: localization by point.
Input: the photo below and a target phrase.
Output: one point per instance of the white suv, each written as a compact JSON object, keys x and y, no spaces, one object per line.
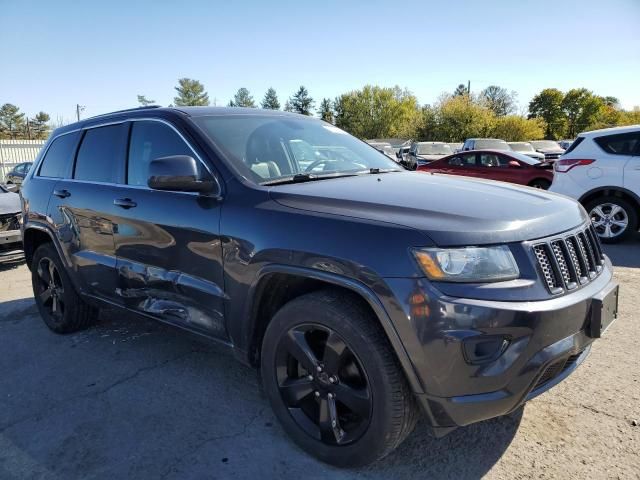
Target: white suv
{"x":601,"y":169}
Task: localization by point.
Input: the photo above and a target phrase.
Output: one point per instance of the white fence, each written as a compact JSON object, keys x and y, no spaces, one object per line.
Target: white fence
{"x":13,"y":152}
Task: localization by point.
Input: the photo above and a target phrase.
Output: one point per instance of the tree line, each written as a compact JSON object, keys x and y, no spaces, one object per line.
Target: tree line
{"x":15,"y":125}
{"x":388,"y":112}
{"x":382,"y":112}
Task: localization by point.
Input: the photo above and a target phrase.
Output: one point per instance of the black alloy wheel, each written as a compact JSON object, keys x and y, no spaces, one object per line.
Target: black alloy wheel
{"x":323,"y":384}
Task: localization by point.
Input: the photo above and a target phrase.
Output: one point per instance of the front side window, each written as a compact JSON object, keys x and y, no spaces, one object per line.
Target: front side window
{"x":149,"y":141}
{"x":620,"y":144}
{"x":265,"y":148}
{"x":57,"y":160}
{"x":101,"y":154}
{"x":493,"y":160}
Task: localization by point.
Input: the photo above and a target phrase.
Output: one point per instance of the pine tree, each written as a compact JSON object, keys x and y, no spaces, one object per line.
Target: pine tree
{"x":144,"y":101}
{"x":39,"y":126}
{"x":301,"y":102}
{"x":326,"y":110}
{"x":242,"y":98}
{"x":190,"y":93}
{"x":270,"y":100}
{"x":461,"y":90}
{"x":287,"y":106}
{"x":11,"y":120}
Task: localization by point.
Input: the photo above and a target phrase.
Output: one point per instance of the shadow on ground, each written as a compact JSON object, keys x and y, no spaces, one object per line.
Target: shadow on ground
{"x":131,"y":398}
{"x":625,"y":254}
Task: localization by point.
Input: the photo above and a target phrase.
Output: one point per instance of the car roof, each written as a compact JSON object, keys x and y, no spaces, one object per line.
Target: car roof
{"x":429,"y":143}
{"x":187,"y":111}
{"x":608,"y":131}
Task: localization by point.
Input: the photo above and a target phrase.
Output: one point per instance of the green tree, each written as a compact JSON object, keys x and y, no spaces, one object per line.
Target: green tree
{"x":583,"y":110}
{"x":190,"y":93}
{"x":11,"y":121}
{"x":270,"y":100}
{"x":461,"y":90}
{"x":242,"y":98}
{"x":499,"y":100}
{"x":326,"y":110}
{"x":547,"y":105}
{"x":514,"y":128}
{"x":376,"y":112}
{"x":39,"y":126}
{"x":144,"y":101}
{"x":301,"y":102}
{"x":457,"y":118}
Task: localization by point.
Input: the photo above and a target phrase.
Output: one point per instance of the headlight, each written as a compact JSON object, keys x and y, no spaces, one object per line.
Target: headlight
{"x":468,"y":264}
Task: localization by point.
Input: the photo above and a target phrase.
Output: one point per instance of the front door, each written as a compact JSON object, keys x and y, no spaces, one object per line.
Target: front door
{"x":169,"y":257}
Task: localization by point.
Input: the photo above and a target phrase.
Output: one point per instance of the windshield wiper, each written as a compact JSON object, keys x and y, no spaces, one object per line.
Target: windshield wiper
{"x":381,"y":170}
{"x":306,"y":177}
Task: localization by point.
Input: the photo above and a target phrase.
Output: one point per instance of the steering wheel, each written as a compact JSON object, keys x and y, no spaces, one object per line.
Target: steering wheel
{"x":322,"y":161}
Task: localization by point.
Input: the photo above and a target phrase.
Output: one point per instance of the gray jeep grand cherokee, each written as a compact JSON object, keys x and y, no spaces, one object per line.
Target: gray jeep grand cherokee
{"x":366,"y":294}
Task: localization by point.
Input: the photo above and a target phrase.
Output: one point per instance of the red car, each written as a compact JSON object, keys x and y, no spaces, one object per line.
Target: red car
{"x":511,"y":167}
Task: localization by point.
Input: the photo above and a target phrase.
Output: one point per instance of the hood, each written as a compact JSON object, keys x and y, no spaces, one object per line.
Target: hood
{"x":534,"y":154}
{"x":451,"y":210}
{"x":550,"y":150}
{"x":9,"y":203}
{"x":432,"y":157}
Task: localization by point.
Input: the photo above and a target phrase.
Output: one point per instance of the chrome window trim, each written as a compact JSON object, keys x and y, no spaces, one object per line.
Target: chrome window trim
{"x":141,"y":187}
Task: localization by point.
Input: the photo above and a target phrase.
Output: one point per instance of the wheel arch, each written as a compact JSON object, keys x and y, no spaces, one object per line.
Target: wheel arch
{"x":619,"y":192}
{"x":275,"y":285}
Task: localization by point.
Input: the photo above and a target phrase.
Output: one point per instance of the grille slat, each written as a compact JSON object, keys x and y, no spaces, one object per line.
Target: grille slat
{"x":567,"y":262}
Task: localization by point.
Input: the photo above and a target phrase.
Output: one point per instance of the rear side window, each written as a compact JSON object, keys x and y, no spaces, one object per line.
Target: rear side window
{"x":151,"y":140}
{"x":620,"y":144}
{"x":101,"y":154}
{"x":57,"y":160}
{"x":573,"y":146}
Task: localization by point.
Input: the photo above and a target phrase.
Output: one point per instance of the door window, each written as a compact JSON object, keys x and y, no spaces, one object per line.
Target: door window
{"x":151,"y":140}
{"x":57,"y":160}
{"x":101,"y":154}
{"x":493,"y":160}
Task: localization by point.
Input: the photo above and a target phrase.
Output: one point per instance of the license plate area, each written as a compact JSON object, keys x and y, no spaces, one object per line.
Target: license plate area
{"x":604,"y":310}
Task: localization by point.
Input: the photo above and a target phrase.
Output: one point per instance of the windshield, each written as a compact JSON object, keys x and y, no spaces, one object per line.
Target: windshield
{"x":545,"y":144}
{"x":269,"y":147}
{"x":522,"y":147}
{"x":434,"y":149}
{"x":490,"y":144}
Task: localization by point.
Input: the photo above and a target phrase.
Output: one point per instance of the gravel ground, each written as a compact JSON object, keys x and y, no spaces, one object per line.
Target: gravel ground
{"x":136,"y":399}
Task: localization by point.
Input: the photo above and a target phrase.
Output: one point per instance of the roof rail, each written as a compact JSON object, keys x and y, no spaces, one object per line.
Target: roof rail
{"x":134,"y":109}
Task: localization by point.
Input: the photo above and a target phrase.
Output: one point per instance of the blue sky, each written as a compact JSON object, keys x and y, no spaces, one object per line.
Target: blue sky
{"x":54,"y":54}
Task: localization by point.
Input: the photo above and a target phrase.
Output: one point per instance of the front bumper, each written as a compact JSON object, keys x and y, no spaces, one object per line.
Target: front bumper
{"x":544,"y":342}
{"x":10,"y":244}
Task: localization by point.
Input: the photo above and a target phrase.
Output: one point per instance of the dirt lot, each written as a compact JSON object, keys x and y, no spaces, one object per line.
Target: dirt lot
{"x":131,"y":399}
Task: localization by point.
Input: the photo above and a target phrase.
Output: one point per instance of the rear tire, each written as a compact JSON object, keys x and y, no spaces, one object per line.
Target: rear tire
{"x":541,"y":183}
{"x":614,"y":219}
{"x":60,"y":306}
{"x":385,"y":411}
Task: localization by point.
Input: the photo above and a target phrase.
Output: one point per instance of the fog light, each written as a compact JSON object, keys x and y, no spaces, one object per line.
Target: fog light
{"x":484,"y":348}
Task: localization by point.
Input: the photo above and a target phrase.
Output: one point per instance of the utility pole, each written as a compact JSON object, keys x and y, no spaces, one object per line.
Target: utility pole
{"x":79,"y":108}
{"x":469,"y":87}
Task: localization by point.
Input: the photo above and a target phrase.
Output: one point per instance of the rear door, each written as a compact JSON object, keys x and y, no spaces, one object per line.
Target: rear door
{"x":632,"y":169}
{"x":168,"y":243}
{"x":82,"y":209}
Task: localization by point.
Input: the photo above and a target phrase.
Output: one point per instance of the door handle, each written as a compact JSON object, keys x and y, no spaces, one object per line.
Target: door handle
{"x":124,"y":203}
{"x":62,"y":193}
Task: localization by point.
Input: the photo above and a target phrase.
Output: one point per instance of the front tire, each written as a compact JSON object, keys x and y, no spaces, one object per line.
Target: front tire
{"x":613,"y":218}
{"x":333,"y":380}
{"x":60,"y":306}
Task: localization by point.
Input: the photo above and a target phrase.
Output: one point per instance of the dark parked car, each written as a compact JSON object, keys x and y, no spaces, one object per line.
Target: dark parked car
{"x":17,"y":173}
{"x":422,"y":153}
{"x":510,"y":167}
{"x":10,"y":218}
{"x":360,"y":289}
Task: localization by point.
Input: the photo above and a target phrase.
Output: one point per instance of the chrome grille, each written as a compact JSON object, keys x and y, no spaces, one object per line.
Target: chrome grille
{"x":569,"y":261}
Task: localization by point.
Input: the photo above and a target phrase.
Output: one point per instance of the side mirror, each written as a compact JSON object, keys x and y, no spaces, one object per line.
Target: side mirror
{"x":513,"y":163}
{"x":178,"y":173}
